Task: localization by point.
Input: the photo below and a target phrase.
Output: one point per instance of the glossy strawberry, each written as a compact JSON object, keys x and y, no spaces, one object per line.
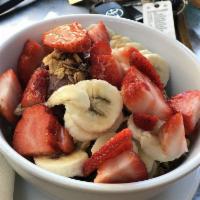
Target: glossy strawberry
{"x":99,"y":33}
{"x":113,"y":147}
{"x":29,"y":60}
{"x":70,"y":38}
{"x":129,"y":56}
{"x":124,"y":168}
{"x":141,"y":95}
{"x":65,"y":141}
{"x":106,"y":68}
{"x":143,"y":64}
{"x":39,"y":133}
{"x":188,"y":104}
{"x":100,"y":48}
{"x":145,"y":121}
{"x":36,"y":89}
{"x":10,"y":94}
{"x":172,"y":137}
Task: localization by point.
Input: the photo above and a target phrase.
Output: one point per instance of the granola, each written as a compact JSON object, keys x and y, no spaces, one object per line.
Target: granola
{"x":65,"y":65}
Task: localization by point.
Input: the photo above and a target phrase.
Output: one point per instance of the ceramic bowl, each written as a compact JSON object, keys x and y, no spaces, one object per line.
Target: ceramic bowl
{"x":185,"y":73}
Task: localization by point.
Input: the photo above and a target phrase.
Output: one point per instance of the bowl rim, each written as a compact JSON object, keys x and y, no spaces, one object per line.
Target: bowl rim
{"x":182,"y":170}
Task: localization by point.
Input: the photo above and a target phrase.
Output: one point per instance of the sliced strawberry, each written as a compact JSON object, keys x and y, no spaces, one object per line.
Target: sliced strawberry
{"x":172,"y":137}
{"x":65,"y":141}
{"x":105,"y":67}
{"x":10,"y":94}
{"x":143,"y":64}
{"x":188,"y":104}
{"x":39,"y":133}
{"x":141,"y":95}
{"x":32,"y":135}
{"x":145,"y":121}
{"x":68,"y":38}
{"x":100,"y":48}
{"x":36,"y":89}
{"x":113,"y":147}
{"x":99,"y":33}
{"x":130,"y":56}
{"x":29,"y":60}
{"x":125,"y":168}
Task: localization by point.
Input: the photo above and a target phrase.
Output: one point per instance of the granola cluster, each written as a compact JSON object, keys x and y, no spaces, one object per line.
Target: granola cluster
{"x":65,"y":65}
{"x":65,"y":68}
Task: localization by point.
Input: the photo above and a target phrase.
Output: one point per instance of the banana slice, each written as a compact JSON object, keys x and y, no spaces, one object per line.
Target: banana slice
{"x":69,"y":165}
{"x":117,"y":123}
{"x":137,"y":132}
{"x":78,"y":133}
{"x":92,"y":108}
{"x":69,"y":94}
{"x":160,"y":65}
{"x":105,"y":106}
{"x":81,"y":135}
{"x":118,"y":41}
{"x":135,"y":45}
{"x":148,"y":161}
{"x":82,"y":145}
{"x":151,"y":145}
{"x":145,"y":52}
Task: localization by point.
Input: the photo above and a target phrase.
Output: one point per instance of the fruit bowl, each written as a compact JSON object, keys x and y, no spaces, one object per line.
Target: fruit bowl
{"x":184,"y":75}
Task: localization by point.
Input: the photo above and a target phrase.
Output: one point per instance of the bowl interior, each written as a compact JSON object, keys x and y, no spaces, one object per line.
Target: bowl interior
{"x":185,"y":73}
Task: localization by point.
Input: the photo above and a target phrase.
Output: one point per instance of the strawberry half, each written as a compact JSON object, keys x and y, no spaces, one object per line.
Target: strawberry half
{"x":65,"y":141}
{"x":71,"y":38}
{"x":145,"y":121}
{"x":172,"y":137}
{"x":10,"y":94}
{"x":143,"y":64}
{"x":106,"y":68}
{"x":113,"y":147}
{"x":100,"y":48}
{"x":36,"y":89}
{"x":124,"y":168}
{"x":99,"y":33}
{"x":39,"y":133}
{"x":188,"y":104}
{"x":30,"y":58}
{"x":129,"y":56}
{"x":140,"y":94}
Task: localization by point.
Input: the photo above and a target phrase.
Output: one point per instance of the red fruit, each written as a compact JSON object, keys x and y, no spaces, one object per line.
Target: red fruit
{"x":36,"y":89}
{"x":47,"y":49}
{"x":113,"y":147}
{"x":145,"y":121}
{"x":30,"y":58}
{"x":125,"y":168}
{"x":143,"y":64}
{"x":65,"y":141}
{"x":68,"y":38}
{"x":106,"y":68}
{"x":10,"y":94}
{"x":172,"y":137}
{"x":131,"y":56}
{"x":100,"y":48}
{"x":141,"y":95}
{"x":32,"y":136}
{"x":39,"y":133}
{"x":99,"y":33}
{"x":188,"y":104}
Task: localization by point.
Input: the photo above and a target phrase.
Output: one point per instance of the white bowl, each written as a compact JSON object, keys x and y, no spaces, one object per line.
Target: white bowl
{"x":185,"y":73}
